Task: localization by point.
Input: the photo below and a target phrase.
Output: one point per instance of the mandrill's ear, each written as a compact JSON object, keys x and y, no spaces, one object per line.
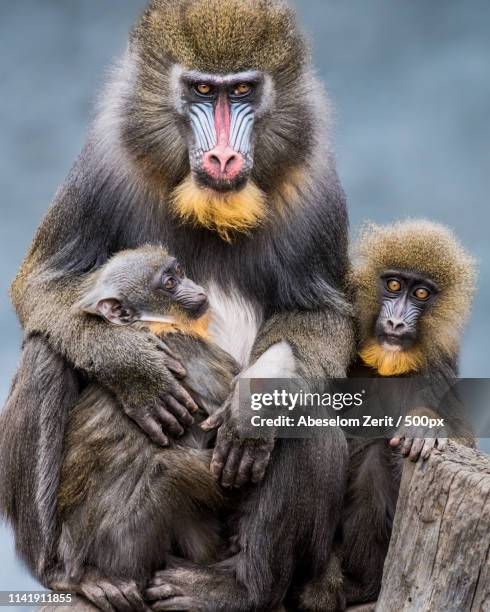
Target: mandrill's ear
{"x":114,"y":312}
{"x":109,"y":308}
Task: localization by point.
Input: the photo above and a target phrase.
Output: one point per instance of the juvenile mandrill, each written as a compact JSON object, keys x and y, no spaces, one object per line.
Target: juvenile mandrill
{"x":125,"y":503}
{"x":212,"y":139}
{"x":413,"y":285}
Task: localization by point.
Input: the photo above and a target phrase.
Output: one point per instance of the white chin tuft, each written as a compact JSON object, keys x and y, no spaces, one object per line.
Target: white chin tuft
{"x":391,"y":348}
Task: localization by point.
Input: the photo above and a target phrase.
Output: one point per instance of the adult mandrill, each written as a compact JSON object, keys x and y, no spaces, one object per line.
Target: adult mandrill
{"x":211,"y":139}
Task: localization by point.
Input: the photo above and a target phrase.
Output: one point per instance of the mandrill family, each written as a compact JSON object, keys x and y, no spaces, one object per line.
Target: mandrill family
{"x":128,"y":507}
{"x":212,"y":140}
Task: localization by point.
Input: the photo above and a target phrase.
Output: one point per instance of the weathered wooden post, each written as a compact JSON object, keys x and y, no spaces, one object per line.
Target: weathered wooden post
{"x":439,"y":556}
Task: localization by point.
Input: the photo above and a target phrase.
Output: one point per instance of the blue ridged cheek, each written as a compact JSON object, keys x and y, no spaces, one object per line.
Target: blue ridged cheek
{"x":408,"y":312}
{"x":241,"y":124}
{"x":202,"y":122}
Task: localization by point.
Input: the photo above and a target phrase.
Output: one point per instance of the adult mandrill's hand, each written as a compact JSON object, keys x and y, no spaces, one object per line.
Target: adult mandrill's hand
{"x":236,"y":461}
{"x":151,"y":394}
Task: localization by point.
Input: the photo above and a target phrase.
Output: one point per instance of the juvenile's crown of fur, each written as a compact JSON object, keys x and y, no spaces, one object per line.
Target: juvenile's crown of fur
{"x":127,"y":272}
{"x":223,"y":35}
{"x":425,"y":248}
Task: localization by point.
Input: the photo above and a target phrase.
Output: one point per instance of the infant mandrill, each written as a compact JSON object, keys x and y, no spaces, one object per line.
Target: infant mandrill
{"x":125,"y":503}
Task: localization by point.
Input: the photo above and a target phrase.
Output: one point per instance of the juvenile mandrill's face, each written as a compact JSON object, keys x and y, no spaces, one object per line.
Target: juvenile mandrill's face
{"x":219,"y":113}
{"x":145,"y":285}
{"x":169,"y":291}
{"x":404,"y":298}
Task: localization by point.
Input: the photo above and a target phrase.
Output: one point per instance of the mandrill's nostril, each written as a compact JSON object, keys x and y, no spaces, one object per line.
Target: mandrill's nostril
{"x":222,"y":162}
{"x":395,"y":325}
{"x":214,"y":159}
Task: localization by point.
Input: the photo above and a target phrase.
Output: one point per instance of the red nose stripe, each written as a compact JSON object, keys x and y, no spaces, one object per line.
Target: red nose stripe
{"x":222,"y":121}
{"x":222,"y":162}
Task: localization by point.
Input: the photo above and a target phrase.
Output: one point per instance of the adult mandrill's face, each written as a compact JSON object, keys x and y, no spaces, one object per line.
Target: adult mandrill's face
{"x":219,"y":112}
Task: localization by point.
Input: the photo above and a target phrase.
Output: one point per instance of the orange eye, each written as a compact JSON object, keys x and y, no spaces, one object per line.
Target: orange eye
{"x":168,"y":283}
{"x":394,"y":285}
{"x":204,"y":89}
{"x":422,"y":293}
{"x":242,"y":89}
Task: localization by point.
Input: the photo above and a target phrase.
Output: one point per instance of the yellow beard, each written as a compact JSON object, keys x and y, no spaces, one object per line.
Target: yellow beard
{"x":190,"y":327}
{"x":225,"y":213}
{"x":391,"y":363}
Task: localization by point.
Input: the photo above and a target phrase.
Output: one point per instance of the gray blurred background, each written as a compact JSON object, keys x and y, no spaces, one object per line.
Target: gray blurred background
{"x":410,"y":82}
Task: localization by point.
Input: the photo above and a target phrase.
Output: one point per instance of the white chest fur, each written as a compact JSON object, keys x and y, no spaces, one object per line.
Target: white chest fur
{"x":234,"y":322}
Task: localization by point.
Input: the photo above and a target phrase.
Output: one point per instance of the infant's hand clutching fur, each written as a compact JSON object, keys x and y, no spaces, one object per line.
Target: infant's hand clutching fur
{"x":236,"y":461}
{"x":149,"y":389}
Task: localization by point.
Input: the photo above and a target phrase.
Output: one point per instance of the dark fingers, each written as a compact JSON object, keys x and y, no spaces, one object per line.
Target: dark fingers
{"x":169,"y":422}
{"x":429,"y":444}
{"x":183,"y":397}
{"x":244,"y":475}
{"x":180,"y":412}
{"x":151,"y":427}
{"x":220,"y":455}
{"x":162,"y":591}
{"x":214,"y":421}
{"x":115,"y":596}
{"x":230,"y":468}
{"x":97,"y":596}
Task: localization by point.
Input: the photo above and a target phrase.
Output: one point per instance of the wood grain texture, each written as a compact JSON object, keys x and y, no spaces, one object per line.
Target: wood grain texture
{"x":439,"y":555}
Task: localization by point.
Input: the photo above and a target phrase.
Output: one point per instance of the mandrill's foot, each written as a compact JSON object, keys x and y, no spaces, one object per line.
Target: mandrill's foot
{"x":326,"y":601}
{"x":195,"y":589}
{"x":326,"y":593}
{"x":108,"y":595}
